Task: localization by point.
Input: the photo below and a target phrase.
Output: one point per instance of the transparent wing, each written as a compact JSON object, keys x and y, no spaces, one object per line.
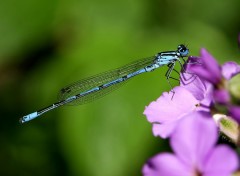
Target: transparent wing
{"x":100,"y":79}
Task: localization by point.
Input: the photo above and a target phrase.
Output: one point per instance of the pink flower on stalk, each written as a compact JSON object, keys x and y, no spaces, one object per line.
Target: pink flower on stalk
{"x":218,"y":76}
{"x":195,"y":152}
{"x":210,"y":71}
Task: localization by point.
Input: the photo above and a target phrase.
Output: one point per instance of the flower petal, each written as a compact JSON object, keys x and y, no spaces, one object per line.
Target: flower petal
{"x":171,"y":107}
{"x":201,"y":90}
{"x":194,"y":84}
{"x":234,"y":112}
{"x":164,"y":130}
{"x":194,"y":137}
{"x":165,"y":164}
{"x":168,"y":109}
{"x":203,"y":73}
{"x":211,"y":64}
{"x":221,"y":96}
{"x":221,"y":161}
{"x":209,"y":69}
{"x":230,"y":69}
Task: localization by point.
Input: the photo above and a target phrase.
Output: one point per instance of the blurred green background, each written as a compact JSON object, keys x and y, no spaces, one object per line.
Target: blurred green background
{"x":45,"y":45}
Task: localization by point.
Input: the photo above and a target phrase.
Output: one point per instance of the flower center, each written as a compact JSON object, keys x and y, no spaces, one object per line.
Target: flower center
{"x":197,"y":105}
{"x":197,"y":173}
{"x":223,"y":84}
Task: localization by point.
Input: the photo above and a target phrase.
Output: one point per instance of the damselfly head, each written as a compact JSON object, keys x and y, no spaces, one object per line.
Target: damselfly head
{"x":183,"y":50}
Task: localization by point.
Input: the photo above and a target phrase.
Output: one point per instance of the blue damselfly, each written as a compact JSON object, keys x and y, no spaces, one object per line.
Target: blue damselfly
{"x":94,"y":87}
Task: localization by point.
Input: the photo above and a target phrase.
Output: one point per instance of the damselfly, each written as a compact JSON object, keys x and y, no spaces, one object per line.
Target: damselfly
{"x":94,"y":87}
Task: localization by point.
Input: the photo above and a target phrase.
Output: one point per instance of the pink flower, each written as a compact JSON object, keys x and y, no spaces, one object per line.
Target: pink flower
{"x":218,"y":76}
{"x":209,"y":70}
{"x":195,"y":152}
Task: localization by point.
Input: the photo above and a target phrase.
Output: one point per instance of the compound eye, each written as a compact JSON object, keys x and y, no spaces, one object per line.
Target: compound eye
{"x":182,"y":49}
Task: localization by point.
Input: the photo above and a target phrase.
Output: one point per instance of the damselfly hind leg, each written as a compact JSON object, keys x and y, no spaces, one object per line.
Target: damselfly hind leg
{"x":188,"y":63}
{"x":183,"y":69}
